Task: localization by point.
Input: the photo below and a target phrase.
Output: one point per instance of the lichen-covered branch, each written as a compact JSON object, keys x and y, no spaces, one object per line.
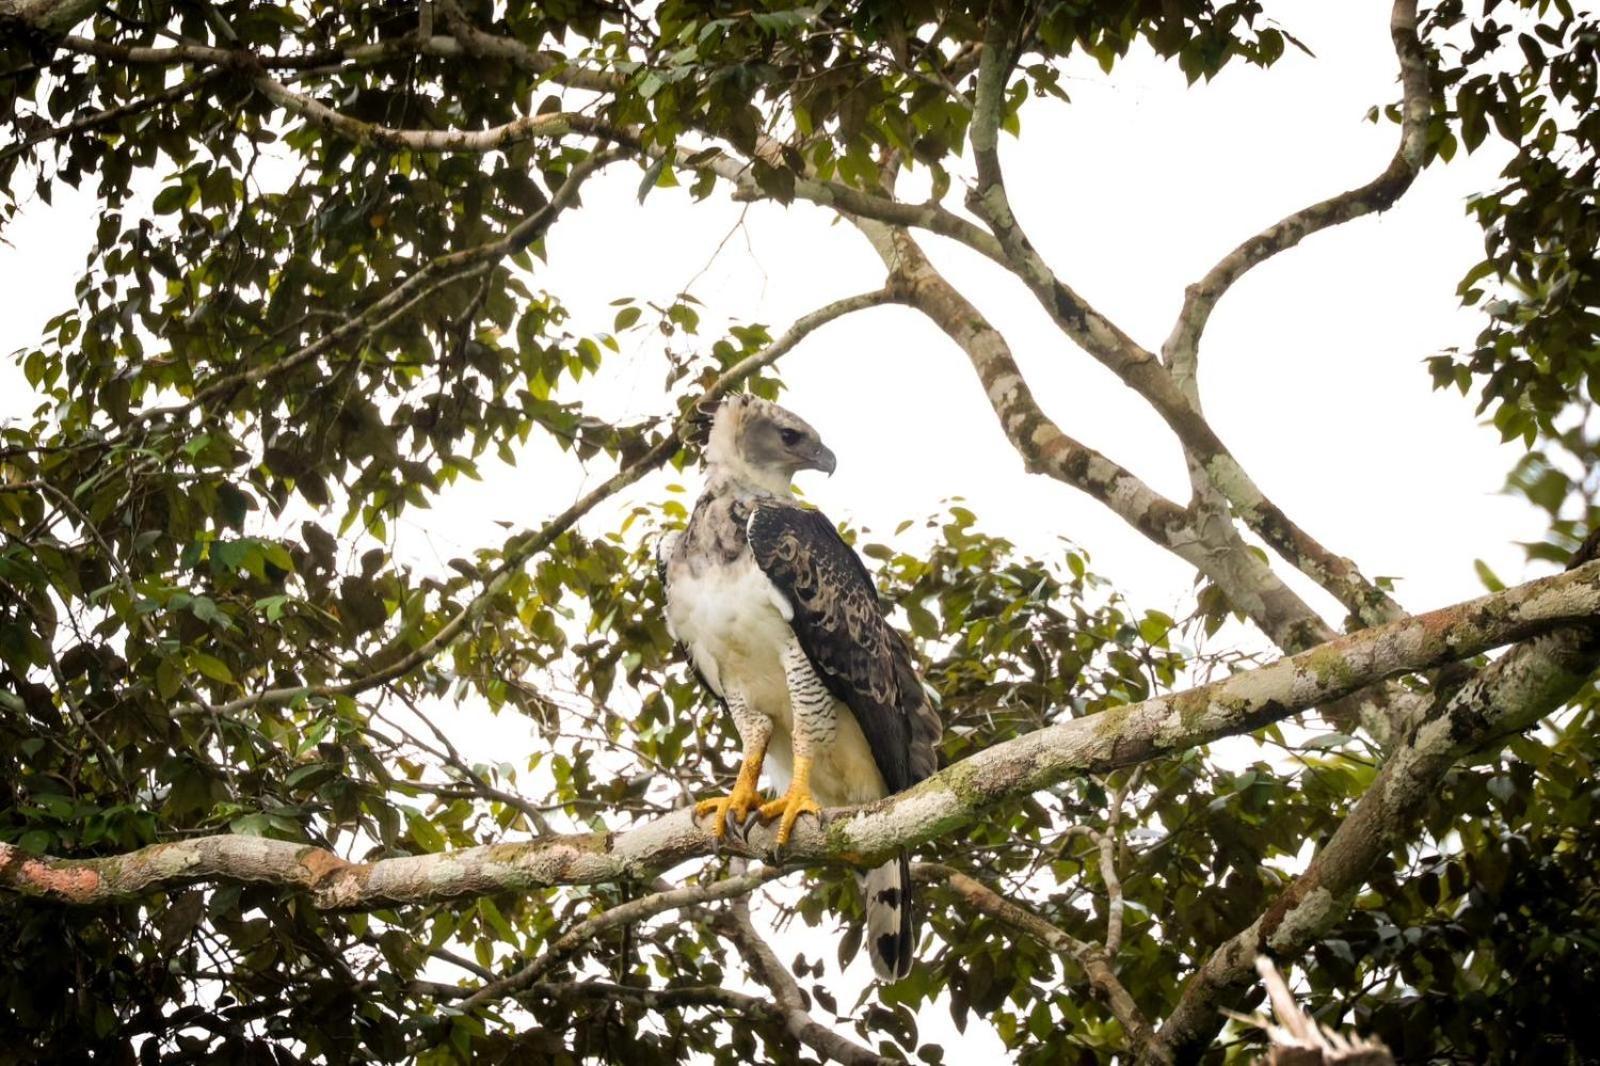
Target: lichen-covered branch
{"x":46,"y":16}
{"x":1216,"y":550}
{"x":1532,"y":680}
{"x":945,"y":802}
{"x":528,"y":127}
{"x":459,"y":44}
{"x":1181,"y":350}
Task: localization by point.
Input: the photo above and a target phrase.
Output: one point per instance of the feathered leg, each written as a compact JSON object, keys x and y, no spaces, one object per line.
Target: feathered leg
{"x":755,"y":730}
{"x":816,"y":726}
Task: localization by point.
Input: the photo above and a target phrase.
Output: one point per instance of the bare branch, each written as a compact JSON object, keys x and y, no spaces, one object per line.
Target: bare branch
{"x":821,"y":1039}
{"x":183,"y":55}
{"x":1298,"y":1039}
{"x":849,"y":200}
{"x":476,"y":42}
{"x":952,"y":798}
{"x":790,"y":1006}
{"x":1137,"y":367}
{"x":1108,"y":842}
{"x":771,"y":971}
{"x":552,"y":125}
{"x":1181,"y":350}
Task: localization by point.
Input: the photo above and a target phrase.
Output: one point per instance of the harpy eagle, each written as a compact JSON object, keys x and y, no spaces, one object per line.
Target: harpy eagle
{"x":783,"y":624}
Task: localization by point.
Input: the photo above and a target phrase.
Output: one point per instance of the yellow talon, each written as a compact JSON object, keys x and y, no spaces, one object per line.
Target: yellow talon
{"x":797,"y":801}
{"x":740,"y":802}
{"x":744,"y":798}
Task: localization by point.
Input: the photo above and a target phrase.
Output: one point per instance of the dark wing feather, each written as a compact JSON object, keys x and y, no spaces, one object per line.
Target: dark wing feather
{"x":841,"y":628}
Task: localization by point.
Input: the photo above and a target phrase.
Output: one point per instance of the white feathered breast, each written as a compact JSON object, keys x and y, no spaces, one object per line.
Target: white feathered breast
{"x":734,"y":623}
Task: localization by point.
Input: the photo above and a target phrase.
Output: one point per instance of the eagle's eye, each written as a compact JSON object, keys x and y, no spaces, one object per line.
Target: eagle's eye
{"x":790,"y":437}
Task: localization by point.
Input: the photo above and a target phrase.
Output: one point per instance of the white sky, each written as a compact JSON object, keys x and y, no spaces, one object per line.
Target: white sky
{"x":1311,"y":369}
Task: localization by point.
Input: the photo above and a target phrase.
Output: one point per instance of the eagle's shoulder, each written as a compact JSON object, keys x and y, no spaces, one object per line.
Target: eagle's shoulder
{"x":784,"y":535}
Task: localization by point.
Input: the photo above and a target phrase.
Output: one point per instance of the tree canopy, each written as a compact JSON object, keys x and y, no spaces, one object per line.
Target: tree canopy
{"x":234,"y":821}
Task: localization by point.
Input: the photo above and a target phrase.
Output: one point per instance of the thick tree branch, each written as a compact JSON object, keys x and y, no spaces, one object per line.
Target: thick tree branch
{"x":468,"y":42}
{"x":1206,"y":540}
{"x":181,"y":55}
{"x":1181,"y":351}
{"x":46,"y":16}
{"x":1218,"y":553}
{"x":333,"y":60}
{"x":528,"y":127}
{"x":952,"y":798}
{"x":1533,"y":679}
{"x":1509,"y":695}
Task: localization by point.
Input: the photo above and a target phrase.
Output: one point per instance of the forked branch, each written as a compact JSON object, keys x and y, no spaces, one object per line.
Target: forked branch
{"x":1137,"y":367}
{"x":1181,"y":350}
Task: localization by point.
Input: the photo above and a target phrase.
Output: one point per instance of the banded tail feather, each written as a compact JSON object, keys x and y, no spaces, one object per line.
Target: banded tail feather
{"x":891,"y":919}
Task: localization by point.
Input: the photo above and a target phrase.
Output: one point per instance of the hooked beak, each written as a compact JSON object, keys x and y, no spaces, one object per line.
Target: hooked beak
{"x":824,"y":460}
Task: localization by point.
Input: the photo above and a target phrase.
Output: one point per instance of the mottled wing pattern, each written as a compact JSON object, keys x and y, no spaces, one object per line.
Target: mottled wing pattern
{"x":841,"y":628}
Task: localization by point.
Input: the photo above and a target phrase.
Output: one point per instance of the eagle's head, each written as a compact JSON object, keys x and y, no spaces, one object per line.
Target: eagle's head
{"x":757,"y":442}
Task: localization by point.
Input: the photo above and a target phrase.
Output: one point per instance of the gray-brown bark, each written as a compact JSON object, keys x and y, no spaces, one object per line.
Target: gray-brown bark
{"x":955,"y":796}
{"x":1509,"y":695}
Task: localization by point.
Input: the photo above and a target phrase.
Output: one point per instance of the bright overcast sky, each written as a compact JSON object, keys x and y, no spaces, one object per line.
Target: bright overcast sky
{"x":1311,"y":369}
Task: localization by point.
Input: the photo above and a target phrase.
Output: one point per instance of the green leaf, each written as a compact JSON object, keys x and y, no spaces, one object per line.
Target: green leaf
{"x":211,"y":667}
{"x":169,"y":681}
{"x":424,"y":833}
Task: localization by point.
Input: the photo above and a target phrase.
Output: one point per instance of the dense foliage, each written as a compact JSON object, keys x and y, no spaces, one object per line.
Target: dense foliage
{"x":295,"y":329}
